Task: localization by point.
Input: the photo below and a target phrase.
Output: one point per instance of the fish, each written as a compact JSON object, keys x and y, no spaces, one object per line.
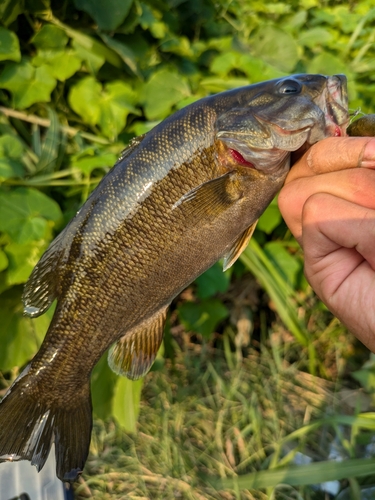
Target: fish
{"x":181,"y":197}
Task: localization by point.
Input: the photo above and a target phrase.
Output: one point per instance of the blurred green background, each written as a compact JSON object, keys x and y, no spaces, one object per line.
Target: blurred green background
{"x":251,"y":351}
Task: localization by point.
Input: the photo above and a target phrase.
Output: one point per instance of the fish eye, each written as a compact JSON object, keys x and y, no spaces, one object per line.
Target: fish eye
{"x":290,"y":87}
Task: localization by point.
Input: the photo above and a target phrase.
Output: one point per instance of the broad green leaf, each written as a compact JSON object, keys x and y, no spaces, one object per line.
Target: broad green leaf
{"x":20,"y":337}
{"x":62,"y":64}
{"x":315,"y":36}
{"x":126,"y":54}
{"x":270,"y":219}
{"x":23,"y":257}
{"x":3,"y":260}
{"x":9,"y":46}
{"x":115,"y":106}
{"x":366,"y":378}
{"x":94,"y":61}
{"x":107,"y":108}
{"x":202,"y":317}
{"x":164,"y":89}
{"x":11,"y":147}
{"x":88,"y":163}
{"x":214,"y":280}
{"x":27,"y":84}
{"x":25,"y":212}
{"x":151,"y":19}
{"x":327,"y":64}
{"x":109,"y":14}
{"x":103,"y":382}
{"x":276,"y":47}
{"x":84,"y":99}
{"x":125,"y":405}
{"x":90,"y":46}
{"x":50,"y":37}
{"x":10,"y":168}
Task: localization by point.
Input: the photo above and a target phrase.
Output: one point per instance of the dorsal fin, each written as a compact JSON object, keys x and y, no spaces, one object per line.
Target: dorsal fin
{"x":131,"y":147}
{"x":238,"y":247}
{"x":133,"y":355}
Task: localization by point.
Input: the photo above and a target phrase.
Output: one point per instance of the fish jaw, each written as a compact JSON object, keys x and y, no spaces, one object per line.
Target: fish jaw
{"x":277,"y":124}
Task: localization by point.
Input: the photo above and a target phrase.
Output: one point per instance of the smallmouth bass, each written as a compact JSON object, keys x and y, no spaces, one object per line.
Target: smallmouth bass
{"x":183,"y":196}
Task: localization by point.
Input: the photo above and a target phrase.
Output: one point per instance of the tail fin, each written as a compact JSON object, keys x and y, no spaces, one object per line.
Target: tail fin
{"x":29,"y":425}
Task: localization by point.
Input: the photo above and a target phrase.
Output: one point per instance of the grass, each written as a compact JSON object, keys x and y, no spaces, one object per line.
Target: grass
{"x":205,"y":431}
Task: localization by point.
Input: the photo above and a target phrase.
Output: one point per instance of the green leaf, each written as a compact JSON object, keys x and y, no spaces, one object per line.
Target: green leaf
{"x":164,"y":89}
{"x":10,"y":168}
{"x":202,"y":317}
{"x":315,"y":36}
{"x":116,"y":104}
{"x":23,"y":257}
{"x":94,"y":60}
{"x":327,"y":64}
{"x":88,"y":163}
{"x":25,"y":212}
{"x":214,"y":280}
{"x":50,"y":37}
{"x":11,"y":150}
{"x":107,"y":108}
{"x":109,"y":14}
{"x":27,"y":84}
{"x":3,"y":260}
{"x":103,"y":382}
{"x":270,"y":219}
{"x":126,"y":399}
{"x":84,"y":99}
{"x":20,"y":337}
{"x":276,"y":47}
{"x":9,"y":46}
{"x":11,"y":147}
{"x":126,"y":54}
{"x":366,"y":378}
{"x":62,"y":64}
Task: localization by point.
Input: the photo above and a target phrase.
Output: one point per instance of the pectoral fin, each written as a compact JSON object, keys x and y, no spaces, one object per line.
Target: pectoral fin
{"x":133,"y":355}
{"x":239,"y":246}
{"x":211,"y":197}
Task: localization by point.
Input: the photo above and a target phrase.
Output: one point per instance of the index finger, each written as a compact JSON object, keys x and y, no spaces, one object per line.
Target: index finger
{"x":334,"y":153}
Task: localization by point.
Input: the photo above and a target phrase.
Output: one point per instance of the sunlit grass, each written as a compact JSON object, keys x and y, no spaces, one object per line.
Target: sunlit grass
{"x":206,"y":431}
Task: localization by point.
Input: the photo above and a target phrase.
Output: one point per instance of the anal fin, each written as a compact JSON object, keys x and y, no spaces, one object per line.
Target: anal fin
{"x":239,"y":246}
{"x":135,"y":352}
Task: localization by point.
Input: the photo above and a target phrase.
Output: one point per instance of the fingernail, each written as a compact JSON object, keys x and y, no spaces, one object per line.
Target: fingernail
{"x":368,"y":157}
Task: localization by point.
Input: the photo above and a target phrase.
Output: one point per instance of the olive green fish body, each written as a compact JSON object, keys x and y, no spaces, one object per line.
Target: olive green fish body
{"x":183,"y":196}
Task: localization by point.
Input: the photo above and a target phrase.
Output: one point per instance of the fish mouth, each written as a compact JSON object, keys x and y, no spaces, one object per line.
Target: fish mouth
{"x":334,"y":104}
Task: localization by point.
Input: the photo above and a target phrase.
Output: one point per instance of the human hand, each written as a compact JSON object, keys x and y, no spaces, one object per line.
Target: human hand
{"x":329,"y":205}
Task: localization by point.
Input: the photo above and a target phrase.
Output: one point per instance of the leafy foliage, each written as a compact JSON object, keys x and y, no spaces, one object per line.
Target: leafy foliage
{"x":80,"y":78}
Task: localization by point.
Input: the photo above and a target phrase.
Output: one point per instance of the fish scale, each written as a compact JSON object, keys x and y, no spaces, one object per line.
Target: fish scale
{"x":181,"y":197}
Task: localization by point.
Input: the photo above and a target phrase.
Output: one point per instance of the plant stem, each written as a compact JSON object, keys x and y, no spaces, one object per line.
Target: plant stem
{"x":45,"y":122}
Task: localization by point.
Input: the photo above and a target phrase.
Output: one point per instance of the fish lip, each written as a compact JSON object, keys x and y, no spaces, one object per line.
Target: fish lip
{"x":334,"y":104}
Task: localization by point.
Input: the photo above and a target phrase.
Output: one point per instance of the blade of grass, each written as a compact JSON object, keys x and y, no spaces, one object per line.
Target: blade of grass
{"x":277,"y":288}
{"x":314,"y":473}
